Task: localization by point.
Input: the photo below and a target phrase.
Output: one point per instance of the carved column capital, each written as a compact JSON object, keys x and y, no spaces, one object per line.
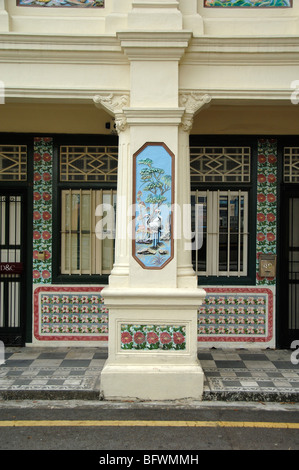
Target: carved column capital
{"x":187,"y":122}
{"x":193,"y":103}
{"x":121,"y":123}
{"x":114,"y":103}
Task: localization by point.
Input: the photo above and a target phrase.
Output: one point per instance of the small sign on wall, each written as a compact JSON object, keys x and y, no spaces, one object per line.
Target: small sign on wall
{"x":267,"y":265}
{"x":11,"y":268}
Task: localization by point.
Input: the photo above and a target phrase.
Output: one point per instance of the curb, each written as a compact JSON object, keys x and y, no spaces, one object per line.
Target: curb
{"x":95,"y":395}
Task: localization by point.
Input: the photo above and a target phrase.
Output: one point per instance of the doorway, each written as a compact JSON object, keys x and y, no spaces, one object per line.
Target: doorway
{"x":12,"y":268}
{"x":289,"y":279}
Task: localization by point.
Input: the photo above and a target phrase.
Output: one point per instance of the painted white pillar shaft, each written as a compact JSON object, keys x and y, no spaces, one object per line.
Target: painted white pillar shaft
{"x":4,"y":18}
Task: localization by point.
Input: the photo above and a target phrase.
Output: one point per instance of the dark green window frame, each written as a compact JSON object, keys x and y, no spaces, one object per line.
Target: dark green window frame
{"x":59,"y":187}
{"x":250,"y":188}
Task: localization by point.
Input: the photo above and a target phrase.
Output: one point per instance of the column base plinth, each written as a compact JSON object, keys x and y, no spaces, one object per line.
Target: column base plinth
{"x":152,"y":382}
{"x":152,"y":344}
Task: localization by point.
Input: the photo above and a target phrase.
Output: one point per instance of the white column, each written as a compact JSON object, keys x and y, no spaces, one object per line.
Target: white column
{"x":191,"y":19}
{"x":192,"y":103}
{"x":152,"y":311}
{"x":4,"y":18}
{"x":117,"y":19}
{"x":153,"y":15}
{"x":114,"y":103}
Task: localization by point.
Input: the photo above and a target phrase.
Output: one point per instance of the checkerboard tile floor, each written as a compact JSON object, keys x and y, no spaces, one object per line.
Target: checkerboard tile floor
{"x":49,"y":370}
{"x":229,"y":374}
{"x":263,"y":373}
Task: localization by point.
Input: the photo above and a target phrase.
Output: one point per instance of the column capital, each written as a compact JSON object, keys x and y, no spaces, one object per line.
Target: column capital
{"x":151,"y":45}
{"x":193,"y":103}
{"x":112,"y":102}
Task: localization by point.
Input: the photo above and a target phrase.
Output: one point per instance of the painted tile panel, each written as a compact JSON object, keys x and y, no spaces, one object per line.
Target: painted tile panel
{"x":61,"y":3}
{"x":248,"y":3}
{"x":266,"y":202}
{"x":240,"y":314}
{"x":153,"y":197}
{"x":42,"y":210}
{"x":153,"y":337}
{"x":70,"y":313}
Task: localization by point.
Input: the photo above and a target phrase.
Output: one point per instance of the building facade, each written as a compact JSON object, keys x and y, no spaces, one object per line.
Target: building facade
{"x":149,"y":176}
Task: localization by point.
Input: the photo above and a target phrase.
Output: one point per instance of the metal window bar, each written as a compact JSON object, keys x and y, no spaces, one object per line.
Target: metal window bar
{"x":10,"y":251}
{"x":291,"y":165}
{"x":220,"y":164}
{"x":84,"y":248}
{"x":88,"y":163}
{"x":293,"y":264}
{"x":213,"y":199}
{"x":13,"y":163}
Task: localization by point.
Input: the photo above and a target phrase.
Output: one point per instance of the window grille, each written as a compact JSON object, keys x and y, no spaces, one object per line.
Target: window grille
{"x":13,"y":162}
{"x":87,"y":231}
{"x":220,"y":226}
{"x":291,"y":165}
{"x":220,"y":164}
{"x":88,"y":163}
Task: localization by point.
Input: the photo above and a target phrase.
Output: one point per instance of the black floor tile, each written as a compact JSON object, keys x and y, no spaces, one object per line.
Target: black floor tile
{"x":230,"y":364}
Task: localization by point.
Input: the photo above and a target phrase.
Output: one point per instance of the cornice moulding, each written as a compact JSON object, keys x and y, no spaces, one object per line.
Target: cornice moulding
{"x":24,"y":48}
{"x":55,"y":95}
{"x":251,"y":42}
{"x":25,"y":40}
{"x":86,"y":96}
{"x":156,"y":4}
{"x":153,"y":116}
{"x":151,"y":45}
{"x":273,"y":50}
{"x":148,"y":45}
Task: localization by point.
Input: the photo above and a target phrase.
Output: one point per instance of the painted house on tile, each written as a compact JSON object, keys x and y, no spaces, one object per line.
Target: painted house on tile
{"x":149,"y":175}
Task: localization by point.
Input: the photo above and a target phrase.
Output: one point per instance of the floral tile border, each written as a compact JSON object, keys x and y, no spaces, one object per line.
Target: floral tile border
{"x":236,"y":314}
{"x":42,"y":209}
{"x":266,"y":229}
{"x":70,"y":313}
{"x":153,"y":337}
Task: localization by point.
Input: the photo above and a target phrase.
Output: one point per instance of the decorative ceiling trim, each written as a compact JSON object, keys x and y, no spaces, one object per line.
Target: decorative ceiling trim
{"x":77,"y":95}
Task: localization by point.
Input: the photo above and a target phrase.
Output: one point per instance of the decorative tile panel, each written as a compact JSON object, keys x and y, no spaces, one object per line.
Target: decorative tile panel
{"x":249,"y":3}
{"x":153,"y":197}
{"x":240,"y":314}
{"x":61,"y":3}
{"x":70,"y":313}
{"x":153,"y":337}
{"x":266,"y":202}
{"x":42,"y":210}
